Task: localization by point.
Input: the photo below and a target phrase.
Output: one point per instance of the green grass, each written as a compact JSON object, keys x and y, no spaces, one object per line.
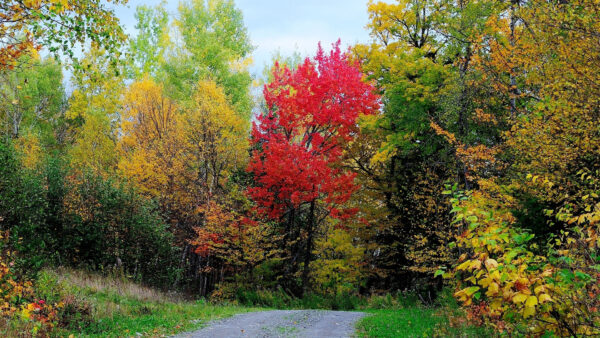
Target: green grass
{"x":411,"y":322}
{"x":116,"y":307}
{"x":120,"y":308}
{"x":405,"y":316}
{"x":155,"y":319}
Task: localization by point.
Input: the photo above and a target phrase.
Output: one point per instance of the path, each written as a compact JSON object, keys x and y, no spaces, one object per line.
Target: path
{"x":282,"y":323}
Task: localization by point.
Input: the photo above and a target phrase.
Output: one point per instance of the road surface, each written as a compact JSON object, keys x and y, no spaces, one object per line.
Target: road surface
{"x":282,"y":323}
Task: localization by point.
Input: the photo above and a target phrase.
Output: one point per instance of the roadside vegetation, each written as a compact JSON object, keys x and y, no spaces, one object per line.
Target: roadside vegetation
{"x":87,"y":304}
{"x":405,"y":315}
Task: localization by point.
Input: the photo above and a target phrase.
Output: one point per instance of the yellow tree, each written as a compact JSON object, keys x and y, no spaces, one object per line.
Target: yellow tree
{"x":217,"y":135}
{"x":218,"y":147}
{"x":93,"y":110}
{"x":153,"y":147}
{"x":182,"y":156}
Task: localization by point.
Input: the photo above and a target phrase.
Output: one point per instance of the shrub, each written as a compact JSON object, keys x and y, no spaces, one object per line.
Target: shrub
{"x":22,"y":211}
{"x":111,"y":228}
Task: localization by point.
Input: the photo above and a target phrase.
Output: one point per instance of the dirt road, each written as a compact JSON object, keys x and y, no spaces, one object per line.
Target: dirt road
{"x":283,"y":323}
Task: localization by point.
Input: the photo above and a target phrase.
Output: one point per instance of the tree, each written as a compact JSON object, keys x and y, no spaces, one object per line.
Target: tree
{"x":215,"y":46}
{"x":150,"y":45}
{"x":529,"y":233}
{"x":298,"y":145}
{"x":153,"y":146}
{"x":182,"y":155}
{"x":26,"y":26}
{"x":420,"y":57}
{"x":217,"y":148}
{"x":217,"y":136}
{"x":93,"y":111}
{"x":32,"y":100}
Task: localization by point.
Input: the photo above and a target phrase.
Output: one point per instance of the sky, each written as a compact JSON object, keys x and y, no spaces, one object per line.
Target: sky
{"x":284,"y":25}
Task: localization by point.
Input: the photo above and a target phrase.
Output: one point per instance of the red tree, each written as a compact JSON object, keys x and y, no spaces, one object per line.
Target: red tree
{"x":298,"y":142}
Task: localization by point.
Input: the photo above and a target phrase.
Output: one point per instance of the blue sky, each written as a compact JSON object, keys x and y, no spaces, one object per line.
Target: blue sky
{"x":285,"y":25}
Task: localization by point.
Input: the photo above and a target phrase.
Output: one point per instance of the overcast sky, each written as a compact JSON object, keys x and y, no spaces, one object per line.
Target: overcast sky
{"x":285,"y":25}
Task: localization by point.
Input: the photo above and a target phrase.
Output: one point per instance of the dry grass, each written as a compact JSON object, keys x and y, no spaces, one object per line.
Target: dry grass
{"x":121,"y":286}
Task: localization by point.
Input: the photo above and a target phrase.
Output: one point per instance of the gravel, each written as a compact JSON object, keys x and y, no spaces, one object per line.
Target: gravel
{"x":282,"y":323}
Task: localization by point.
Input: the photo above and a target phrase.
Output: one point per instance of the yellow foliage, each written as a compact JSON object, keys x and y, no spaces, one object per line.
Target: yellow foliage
{"x":180,"y":155}
{"x":339,"y":267}
{"x":96,"y":101}
{"x":31,"y":150}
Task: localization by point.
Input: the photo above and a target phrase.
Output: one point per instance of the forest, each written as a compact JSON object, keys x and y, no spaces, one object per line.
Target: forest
{"x":456,"y":152}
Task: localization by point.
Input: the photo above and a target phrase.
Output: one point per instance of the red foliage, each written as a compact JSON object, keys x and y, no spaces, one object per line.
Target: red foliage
{"x":312,"y":113}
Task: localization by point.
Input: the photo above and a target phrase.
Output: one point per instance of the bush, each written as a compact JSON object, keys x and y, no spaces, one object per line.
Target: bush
{"x":112,"y":229}
{"x":75,"y":314}
{"x":22,"y":211}
{"x":279,"y":299}
{"x":83,"y":220}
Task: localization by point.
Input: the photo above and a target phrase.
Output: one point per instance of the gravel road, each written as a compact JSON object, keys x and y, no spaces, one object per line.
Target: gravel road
{"x":283,"y":323}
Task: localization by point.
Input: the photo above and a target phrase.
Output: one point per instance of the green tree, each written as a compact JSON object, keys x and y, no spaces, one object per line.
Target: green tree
{"x":151,"y":44}
{"x":32,"y":100}
{"x":216,"y":45}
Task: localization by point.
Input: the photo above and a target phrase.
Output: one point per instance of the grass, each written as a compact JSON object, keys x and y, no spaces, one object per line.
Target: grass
{"x":120,"y":308}
{"x":404,"y":316}
{"x":116,"y":307}
{"x":413,"y":322}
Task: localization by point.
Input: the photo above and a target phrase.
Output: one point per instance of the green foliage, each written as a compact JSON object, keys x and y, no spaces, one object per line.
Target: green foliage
{"x":93,"y":222}
{"x":338,"y":268}
{"x":27,"y":26}
{"x":215,"y":46}
{"x":150,"y":44}
{"x":32,"y":99}
{"x":22,"y":210}
{"x":109,"y":226}
{"x":217,"y":41}
{"x":280,"y":300}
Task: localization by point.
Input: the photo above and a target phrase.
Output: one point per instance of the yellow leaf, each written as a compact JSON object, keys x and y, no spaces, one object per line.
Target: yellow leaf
{"x":538,"y":289}
{"x":519,"y":298}
{"x":464,"y":265}
{"x":495,"y":275}
{"x":476,"y":264}
{"x":528,"y":311}
{"x":471,"y":290}
{"x":485,"y":282}
{"x":496,"y":304}
{"x":545,"y":298}
{"x":491,"y":263}
{"x":492,"y":289}
{"x":532,"y":301}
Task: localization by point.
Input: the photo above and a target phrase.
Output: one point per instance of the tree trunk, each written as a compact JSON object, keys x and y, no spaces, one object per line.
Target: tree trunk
{"x":309,"y":246}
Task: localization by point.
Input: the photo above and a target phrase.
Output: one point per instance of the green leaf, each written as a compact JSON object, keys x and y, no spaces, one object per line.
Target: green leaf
{"x":471,"y":290}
